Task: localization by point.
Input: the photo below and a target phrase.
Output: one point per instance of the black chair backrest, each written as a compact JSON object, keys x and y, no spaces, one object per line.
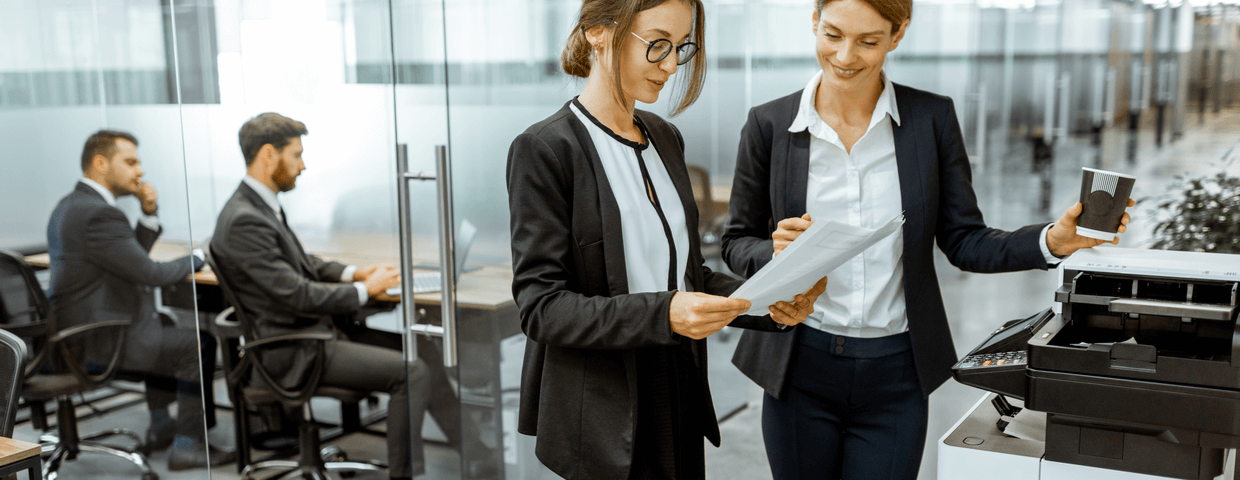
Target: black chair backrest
{"x":253,"y":362}
{"x":21,"y":297}
{"x":24,"y":309}
{"x":12,"y":372}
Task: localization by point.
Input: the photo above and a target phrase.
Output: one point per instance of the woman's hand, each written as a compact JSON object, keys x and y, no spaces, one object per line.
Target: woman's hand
{"x":698,"y":315}
{"x":802,"y":305}
{"x":788,"y":230}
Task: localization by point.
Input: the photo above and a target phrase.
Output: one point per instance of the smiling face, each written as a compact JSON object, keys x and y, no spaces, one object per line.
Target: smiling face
{"x":852,"y":44}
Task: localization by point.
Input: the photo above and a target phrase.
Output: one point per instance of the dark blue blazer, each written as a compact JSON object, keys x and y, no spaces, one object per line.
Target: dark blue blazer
{"x":936,"y":191}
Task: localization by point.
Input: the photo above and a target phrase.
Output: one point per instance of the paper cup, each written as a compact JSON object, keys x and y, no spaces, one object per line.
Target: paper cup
{"x":1105,"y":197}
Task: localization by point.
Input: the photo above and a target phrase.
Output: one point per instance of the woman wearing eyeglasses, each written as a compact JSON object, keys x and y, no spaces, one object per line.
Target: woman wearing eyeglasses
{"x":846,"y":392}
{"x":607,"y":273}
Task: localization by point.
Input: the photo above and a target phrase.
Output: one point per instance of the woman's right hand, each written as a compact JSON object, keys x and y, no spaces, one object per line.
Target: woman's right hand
{"x":788,"y":230}
{"x":698,"y":315}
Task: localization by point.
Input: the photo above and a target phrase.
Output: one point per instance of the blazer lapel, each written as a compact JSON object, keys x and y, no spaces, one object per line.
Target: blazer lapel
{"x":909,"y":161}
{"x":609,"y":212}
{"x":299,"y":253}
{"x":796,"y":175}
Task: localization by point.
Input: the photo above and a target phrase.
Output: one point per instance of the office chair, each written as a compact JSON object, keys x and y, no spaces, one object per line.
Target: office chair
{"x":710,"y":222}
{"x":249,"y":382}
{"x":12,"y":371}
{"x":66,"y":375}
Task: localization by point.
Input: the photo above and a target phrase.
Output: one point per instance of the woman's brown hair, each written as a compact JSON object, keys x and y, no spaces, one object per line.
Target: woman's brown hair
{"x":894,"y":11}
{"x":618,"y":15}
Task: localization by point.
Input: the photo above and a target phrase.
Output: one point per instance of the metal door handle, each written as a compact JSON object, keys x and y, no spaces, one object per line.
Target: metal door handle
{"x":447,"y":254}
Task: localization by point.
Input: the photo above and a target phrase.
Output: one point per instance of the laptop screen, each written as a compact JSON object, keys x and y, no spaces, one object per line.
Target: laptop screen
{"x":464,"y":239}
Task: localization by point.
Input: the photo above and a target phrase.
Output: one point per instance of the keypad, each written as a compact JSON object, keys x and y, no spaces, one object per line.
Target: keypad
{"x":994,"y":359}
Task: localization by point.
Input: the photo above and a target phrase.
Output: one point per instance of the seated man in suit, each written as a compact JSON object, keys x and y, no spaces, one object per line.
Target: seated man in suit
{"x":101,"y":270}
{"x":285,"y":290}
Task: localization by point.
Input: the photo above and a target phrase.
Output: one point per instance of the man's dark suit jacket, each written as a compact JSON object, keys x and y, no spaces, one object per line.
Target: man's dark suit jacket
{"x":101,"y":270}
{"x":578,"y":384}
{"x":282,"y":288}
{"x":936,"y":191}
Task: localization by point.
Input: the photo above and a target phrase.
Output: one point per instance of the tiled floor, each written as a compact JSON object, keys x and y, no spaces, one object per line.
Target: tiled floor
{"x":976,"y":304}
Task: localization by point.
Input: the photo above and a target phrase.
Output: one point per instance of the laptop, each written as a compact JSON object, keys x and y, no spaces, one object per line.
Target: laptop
{"x":427,"y":282}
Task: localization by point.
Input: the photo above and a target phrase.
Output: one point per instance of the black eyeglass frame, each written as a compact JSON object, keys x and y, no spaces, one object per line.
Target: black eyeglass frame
{"x":682,"y":58}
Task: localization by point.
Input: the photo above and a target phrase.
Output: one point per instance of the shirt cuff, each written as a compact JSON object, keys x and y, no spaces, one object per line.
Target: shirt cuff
{"x":347,"y":274}
{"x":362,"y":294}
{"x":149,"y":221}
{"x":1051,"y":259}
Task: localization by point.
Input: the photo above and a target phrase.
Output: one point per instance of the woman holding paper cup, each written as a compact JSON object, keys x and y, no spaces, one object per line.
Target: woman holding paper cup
{"x":846,"y":393}
{"x":608,"y":277}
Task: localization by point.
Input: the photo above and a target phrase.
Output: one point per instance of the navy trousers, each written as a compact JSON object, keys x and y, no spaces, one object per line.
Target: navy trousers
{"x":854,"y":410}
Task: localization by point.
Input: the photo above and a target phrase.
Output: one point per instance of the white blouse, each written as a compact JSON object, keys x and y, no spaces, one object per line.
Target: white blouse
{"x":646,"y":248}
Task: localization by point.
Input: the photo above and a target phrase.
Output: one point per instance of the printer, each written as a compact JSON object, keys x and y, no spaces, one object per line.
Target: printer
{"x":1139,"y":372}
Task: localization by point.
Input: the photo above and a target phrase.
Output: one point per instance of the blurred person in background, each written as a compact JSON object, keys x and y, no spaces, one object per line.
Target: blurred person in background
{"x":101,"y":270}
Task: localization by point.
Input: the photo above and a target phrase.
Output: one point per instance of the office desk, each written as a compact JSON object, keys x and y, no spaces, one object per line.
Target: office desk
{"x":16,"y":455}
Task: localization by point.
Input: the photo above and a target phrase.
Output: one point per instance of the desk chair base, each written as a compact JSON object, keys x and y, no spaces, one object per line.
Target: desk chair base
{"x":66,"y":444}
{"x":313,"y":462}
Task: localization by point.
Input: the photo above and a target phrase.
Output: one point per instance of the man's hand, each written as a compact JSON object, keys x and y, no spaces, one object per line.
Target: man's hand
{"x":1062,"y":239}
{"x":362,"y":273}
{"x":379,"y":280}
{"x":788,"y":230}
{"x":698,"y":315}
{"x":802,"y":305}
{"x":147,"y":196}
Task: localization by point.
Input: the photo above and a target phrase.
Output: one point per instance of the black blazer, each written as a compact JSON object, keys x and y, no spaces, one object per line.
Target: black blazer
{"x":281,"y":287}
{"x":101,"y":270}
{"x":772,"y":166}
{"x":578,"y":385}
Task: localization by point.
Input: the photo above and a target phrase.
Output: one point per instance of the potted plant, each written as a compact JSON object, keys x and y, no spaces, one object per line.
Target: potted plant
{"x":1200,"y":214}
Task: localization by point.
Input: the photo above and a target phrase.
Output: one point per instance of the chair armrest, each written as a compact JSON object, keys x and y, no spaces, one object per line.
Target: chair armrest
{"x":293,"y":337}
{"x":221,"y":319}
{"x":79,"y":329}
{"x":33,"y":329}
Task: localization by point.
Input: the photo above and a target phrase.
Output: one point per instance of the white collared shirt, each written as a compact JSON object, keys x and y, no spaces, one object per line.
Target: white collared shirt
{"x":864,"y":296}
{"x":273,"y":202}
{"x":148,"y":221}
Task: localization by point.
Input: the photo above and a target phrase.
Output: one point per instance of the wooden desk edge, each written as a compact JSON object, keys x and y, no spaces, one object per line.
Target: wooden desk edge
{"x":12,"y":451}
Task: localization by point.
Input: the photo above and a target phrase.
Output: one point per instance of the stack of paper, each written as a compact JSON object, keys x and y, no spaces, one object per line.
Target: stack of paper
{"x":823,"y":247}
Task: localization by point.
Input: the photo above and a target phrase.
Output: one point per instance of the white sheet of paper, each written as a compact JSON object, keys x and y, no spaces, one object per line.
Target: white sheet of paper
{"x":823,"y":247}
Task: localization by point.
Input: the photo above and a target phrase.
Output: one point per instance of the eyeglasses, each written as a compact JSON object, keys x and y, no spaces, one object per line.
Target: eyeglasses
{"x":657,"y":50}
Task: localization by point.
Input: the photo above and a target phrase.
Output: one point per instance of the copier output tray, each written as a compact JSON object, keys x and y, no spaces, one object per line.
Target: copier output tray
{"x":1173,"y":358}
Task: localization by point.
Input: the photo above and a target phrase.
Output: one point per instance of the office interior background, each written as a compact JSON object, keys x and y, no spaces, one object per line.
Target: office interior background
{"x":1041,"y":88}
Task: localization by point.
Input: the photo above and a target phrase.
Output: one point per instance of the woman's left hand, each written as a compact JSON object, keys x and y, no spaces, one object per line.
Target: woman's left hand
{"x":793,"y":313}
{"x":1062,"y":239}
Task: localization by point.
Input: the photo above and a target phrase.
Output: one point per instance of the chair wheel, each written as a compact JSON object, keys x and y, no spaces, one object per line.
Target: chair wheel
{"x":333,"y":453}
{"x":150,"y":476}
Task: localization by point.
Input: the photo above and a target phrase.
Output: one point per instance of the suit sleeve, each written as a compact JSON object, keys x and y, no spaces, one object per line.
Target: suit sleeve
{"x":325,"y":268}
{"x":115,"y":248}
{"x":545,"y":265}
{"x":747,"y":244}
{"x":146,"y":236}
{"x":252,"y":244}
{"x":961,"y":232}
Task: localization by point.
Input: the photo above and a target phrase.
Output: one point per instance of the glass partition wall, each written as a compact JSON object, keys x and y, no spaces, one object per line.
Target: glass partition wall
{"x":411,"y":106}
{"x":70,"y":69}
